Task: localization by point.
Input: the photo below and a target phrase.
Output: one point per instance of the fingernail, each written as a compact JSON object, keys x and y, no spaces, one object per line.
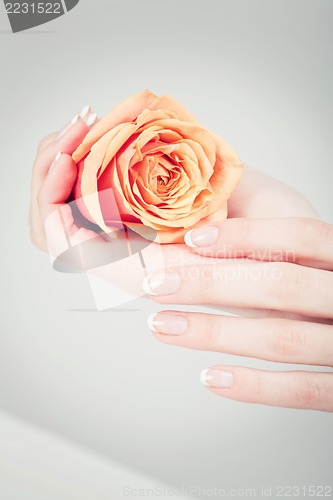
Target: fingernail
{"x":65,"y":129}
{"x":87,"y":115}
{"x":161,"y":283}
{"x":74,"y":119}
{"x":84,"y":111}
{"x":221,"y":379}
{"x":90,"y":119}
{"x":55,"y":161}
{"x":168,"y":324}
{"x":202,"y":236}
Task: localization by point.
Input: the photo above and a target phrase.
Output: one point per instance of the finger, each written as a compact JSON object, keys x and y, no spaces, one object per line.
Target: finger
{"x":299,"y":240}
{"x":86,"y":114}
{"x":293,"y":389}
{"x":54,"y":192}
{"x":279,"y":340}
{"x":57,"y":186}
{"x":45,"y":142}
{"x":244,"y":283}
{"x":169,"y":256}
{"x":67,"y":141}
{"x":60,"y":229}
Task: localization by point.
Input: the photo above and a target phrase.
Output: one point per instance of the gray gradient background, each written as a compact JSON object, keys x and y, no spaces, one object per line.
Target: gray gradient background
{"x":259,"y":73}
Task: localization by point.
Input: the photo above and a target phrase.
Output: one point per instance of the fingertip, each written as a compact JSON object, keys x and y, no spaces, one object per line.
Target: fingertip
{"x":67,"y":140}
{"x":202,"y":237}
{"x":54,"y":162}
{"x":74,"y":132}
{"x":61,"y":159}
{"x":217,"y":378}
{"x":74,"y":120}
{"x":91,"y":119}
{"x":203,"y":377}
{"x":188,"y":239}
{"x":60,"y":179}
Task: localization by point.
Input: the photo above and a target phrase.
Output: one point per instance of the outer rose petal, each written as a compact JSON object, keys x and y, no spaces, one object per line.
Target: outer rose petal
{"x":127,"y":111}
{"x":170,"y":103}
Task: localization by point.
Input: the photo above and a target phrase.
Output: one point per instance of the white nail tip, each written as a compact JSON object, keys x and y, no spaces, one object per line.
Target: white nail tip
{"x":204,"y":378}
{"x":188,"y":239}
{"x":150,"y":322}
{"x":84,"y":111}
{"x":74,"y":119}
{"x":91,"y":119}
{"x":55,"y":161}
{"x":146,"y":286}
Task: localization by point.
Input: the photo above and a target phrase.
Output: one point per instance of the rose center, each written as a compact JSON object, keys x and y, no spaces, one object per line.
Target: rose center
{"x":162,"y":181}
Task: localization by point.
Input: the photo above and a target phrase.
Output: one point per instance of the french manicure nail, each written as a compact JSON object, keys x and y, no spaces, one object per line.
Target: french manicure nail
{"x":202,"y":236}
{"x":168,"y":324}
{"x":84,"y":111}
{"x":221,"y":379}
{"x":74,"y":119}
{"x":55,"y":161}
{"x":90,"y":119}
{"x":161,"y":283}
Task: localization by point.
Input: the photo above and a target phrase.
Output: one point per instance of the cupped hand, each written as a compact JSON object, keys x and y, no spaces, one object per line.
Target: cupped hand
{"x":282,"y":265}
{"x":259,"y":195}
{"x":54,"y":174}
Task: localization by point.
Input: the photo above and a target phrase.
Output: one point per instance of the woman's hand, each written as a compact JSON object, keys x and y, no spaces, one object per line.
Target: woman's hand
{"x":54,"y":174}
{"x":310,"y":242}
{"x":259,"y":195}
{"x":56,"y":225}
{"x":275,"y":264}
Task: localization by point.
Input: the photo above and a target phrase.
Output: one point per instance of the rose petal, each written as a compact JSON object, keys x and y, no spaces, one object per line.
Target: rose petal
{"x":172,"y":104}
{"x":163,"y":167}
{"x":127,"y":111}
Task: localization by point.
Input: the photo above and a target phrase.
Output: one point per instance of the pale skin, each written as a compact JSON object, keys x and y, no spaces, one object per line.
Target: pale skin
{"x":275,"y":271}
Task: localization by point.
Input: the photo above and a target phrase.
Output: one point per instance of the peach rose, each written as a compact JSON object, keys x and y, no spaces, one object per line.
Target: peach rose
{"x":166,"y":171}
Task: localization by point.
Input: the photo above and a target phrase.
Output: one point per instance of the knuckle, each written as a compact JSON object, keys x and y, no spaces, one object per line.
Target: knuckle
{"x":291,"y":284}
{"x":287,"y":340}
{"x":257,"y":386}
{"x":310,"y":392}
{"x":313,"y":230}
{"x":208,"y":280}
{"x":213,"y":332}
{"x":45,"y":141}
{"x":243,"y":231}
